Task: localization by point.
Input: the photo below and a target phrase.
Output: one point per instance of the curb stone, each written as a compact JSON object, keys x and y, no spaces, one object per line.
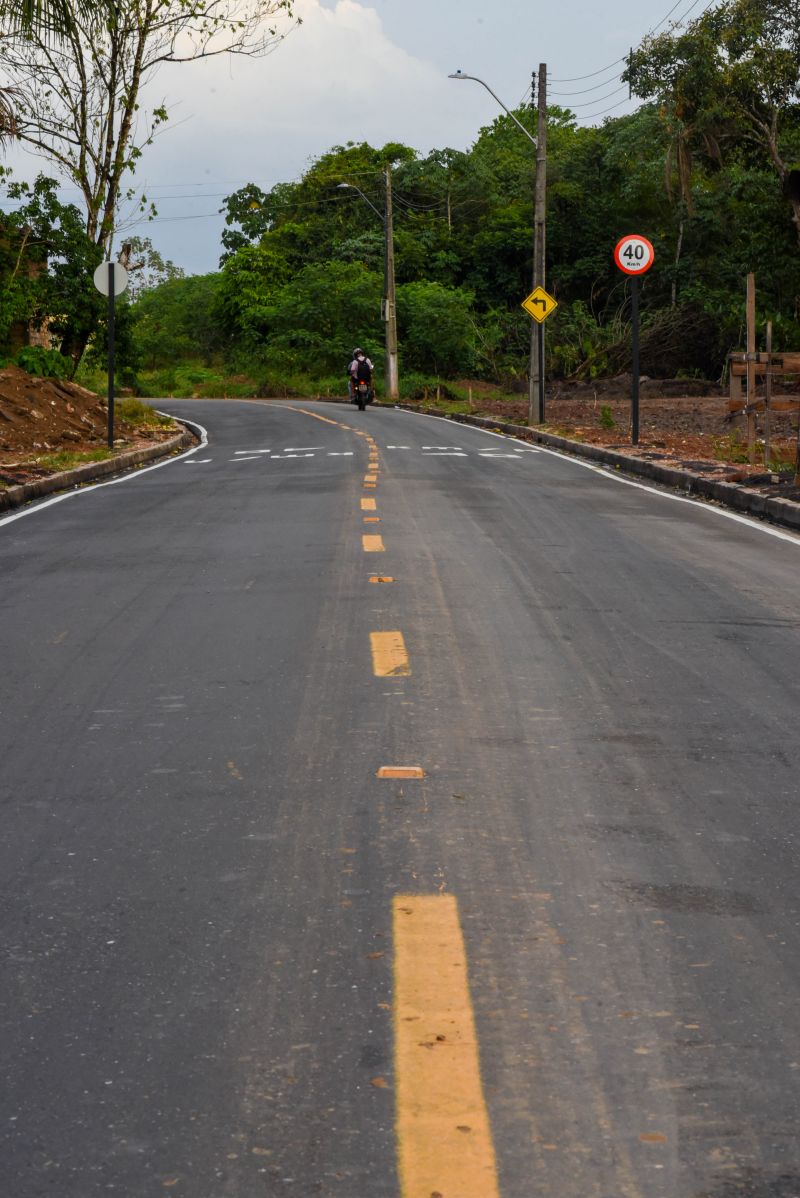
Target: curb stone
{"x":15,"y":496}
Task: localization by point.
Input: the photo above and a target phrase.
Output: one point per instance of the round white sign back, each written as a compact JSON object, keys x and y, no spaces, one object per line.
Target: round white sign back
{"x":101,"y":280}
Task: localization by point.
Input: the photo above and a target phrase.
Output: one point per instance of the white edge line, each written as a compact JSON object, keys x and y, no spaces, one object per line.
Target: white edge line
{"x":605,"y":472}
{"x":134,"y":473}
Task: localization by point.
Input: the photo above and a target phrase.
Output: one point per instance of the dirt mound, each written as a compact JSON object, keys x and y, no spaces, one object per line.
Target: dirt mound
{"x":50,"y":424}
{"x":47,"y":414}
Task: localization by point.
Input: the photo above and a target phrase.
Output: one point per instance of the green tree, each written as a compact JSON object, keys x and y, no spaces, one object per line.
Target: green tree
{"x":733,"y":75}
{"x":78,"y":97}
{"x":46,"y":260}
{"x":436,"y":327}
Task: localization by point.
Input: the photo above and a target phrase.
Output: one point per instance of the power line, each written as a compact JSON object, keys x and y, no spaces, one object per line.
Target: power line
{"x":650,"y":32}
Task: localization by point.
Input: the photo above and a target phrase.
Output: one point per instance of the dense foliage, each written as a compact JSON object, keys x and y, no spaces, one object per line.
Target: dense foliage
{"x":708,"y":168}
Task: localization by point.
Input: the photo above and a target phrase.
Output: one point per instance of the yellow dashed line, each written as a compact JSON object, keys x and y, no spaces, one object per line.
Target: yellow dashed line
{"x":389,"y":655}
{"x":380,"y":578}
{"x":443,"y":1132}
{"x":373,"y":544}
{"x":316,"y":416}
{"x":370,"y":478}
{"x":368,"y":505}
{"x":401,"y":771}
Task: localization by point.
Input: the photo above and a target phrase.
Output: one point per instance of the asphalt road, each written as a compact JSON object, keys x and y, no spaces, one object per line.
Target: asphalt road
{"x":564,"y":963}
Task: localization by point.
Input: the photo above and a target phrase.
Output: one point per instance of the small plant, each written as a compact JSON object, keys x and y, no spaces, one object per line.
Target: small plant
{"x":67,"y":459}
{"x":607,"y":418}
{"x":48,"y":363}
{"x":136,"y":412}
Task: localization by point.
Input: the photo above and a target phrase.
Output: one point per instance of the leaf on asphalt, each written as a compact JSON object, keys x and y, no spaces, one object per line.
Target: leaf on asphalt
{"x":374,"y":956}
{"x":380,"y":1083}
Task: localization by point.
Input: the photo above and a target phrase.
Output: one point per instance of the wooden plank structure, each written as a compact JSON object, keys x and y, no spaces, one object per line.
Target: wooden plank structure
{"x":754,"y":366}
{"x":760,"y":367}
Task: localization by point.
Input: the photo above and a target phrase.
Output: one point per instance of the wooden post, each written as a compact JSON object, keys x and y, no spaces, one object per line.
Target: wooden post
{"x":751,"y":368}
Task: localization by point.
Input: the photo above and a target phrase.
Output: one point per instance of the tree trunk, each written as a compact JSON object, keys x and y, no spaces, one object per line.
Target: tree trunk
{"x":73,"y":344}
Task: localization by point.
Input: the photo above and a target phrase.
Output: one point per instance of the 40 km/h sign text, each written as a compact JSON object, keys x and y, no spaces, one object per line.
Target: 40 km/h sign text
{"x":634,"y":255}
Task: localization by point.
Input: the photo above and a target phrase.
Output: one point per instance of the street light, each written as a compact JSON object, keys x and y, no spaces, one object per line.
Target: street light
{"x":475,"y":79}
{"x":389,"y":306}
{"x":536,"y":370}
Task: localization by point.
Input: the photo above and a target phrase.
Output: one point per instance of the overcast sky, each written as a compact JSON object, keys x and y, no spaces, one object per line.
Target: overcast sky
{"x":368,"y":70}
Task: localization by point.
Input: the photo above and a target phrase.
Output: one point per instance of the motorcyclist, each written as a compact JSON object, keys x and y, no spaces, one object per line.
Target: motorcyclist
{"x":360,"y":370}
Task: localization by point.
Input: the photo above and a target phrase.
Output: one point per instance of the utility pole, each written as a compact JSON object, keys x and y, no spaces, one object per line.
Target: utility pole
{"x":389,"y":305}
{"x":536,"y":387}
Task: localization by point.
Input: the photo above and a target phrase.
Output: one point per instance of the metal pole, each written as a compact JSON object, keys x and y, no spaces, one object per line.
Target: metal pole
{"x":536,"y":395}
{"x":111,"y":355}
{"x":540,"y":347}
{"x":768,"y":394}
{"x":390,"y":307}
{"x":751,"y":368}
{"x":635,"y":367}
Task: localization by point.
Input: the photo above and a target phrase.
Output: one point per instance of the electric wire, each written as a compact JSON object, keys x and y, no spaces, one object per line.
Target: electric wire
{"x":650,"y":32}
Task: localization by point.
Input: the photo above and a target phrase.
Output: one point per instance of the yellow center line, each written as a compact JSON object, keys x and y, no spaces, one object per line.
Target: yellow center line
{"x":443,"y":1133}
{"x":368,"y":505}
{"x":316,"y":416}
{"x":370,"y":478}
{"x":373,"y":544}
{"x":389,"y":655}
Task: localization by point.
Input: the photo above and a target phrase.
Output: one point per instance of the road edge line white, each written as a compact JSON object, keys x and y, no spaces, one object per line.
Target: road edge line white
{"x":133,"y":473}
{"x":604,"y":472}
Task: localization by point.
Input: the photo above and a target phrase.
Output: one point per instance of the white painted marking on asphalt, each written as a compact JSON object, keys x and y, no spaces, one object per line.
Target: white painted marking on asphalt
{"x":458,"y":447}
{"x":445,"y":454}
{"x":245,"y":459}
{"x":90,"y":488}
{"x":753,"y":524}
{"x":349,"y":454}
{"x":301,"y":448}
{"x":398,"y":446}
{"x":298,"y":455}
{"x":243,"y":452}
{"x":198,"y":461}
{"x":492,"y":453}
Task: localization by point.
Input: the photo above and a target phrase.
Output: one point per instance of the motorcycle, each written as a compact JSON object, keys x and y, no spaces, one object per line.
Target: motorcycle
{"x":362,"y":394}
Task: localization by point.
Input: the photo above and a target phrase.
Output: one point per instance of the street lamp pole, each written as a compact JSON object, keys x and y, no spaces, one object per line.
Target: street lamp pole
{"x":536,"y":367}
{"x":389,"y":306}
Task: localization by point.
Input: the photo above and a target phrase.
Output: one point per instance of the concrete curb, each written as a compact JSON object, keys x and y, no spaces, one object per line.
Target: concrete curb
{"x":741,"y":499}
{"x":15,"y":496}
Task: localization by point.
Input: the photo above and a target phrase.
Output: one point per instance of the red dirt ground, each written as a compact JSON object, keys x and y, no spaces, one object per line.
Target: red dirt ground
{"x":40,"y":417}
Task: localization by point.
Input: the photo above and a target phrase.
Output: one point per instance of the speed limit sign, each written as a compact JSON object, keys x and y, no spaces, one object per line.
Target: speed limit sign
{"x":634,"y":255}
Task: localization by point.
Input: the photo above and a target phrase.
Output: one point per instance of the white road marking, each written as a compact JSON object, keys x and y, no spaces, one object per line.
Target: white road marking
{"x":245,"y":459}
{"x":398,"y":446}
{"x":298,"y":455}
{"x":445,"y":454}
{"x":349,"y":454}
{"x":492,"y":453}
{"x":301,"y":448}
{"x":198,"y":461}
{"x":457,"y":447}
{"x":89,"y":489}
{"x":751,"y":522}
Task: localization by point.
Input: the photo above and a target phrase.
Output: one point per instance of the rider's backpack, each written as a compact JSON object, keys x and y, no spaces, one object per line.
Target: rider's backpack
{"x":363,"y":372}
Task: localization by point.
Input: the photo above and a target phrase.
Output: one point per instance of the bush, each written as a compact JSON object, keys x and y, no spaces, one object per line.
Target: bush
{"x":436,"y":328}
{"x":47,"y":363}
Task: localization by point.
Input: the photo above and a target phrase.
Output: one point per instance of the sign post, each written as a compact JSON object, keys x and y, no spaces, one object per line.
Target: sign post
{"x":540,"y":304}
{"x":111,"y":279}
{"x":634,"y":255}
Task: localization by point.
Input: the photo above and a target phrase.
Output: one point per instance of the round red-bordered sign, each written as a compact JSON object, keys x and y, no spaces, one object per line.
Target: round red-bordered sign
{"x":634,"y":254}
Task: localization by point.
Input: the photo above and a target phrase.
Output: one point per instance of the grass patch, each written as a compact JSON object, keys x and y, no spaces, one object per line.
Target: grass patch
{"x":135,"y":412}
{"x":66,"y":459}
